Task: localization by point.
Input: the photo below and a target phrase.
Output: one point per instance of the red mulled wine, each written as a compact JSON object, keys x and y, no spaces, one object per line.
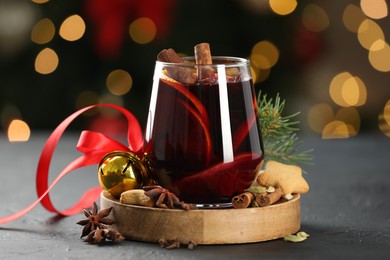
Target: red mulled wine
{"x":204,"y":137}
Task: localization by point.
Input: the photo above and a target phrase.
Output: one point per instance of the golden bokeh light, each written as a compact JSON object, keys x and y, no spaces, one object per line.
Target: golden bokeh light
{"x":335,"y":130}
{"x":72,"y":28}
{"x":254,"y":75}
{"x":40,"y":1}
{"x":18,"y":131}
{"x":119,"y":82}
{"x":259,"y":75}
{"x":375,"y":9}
{"x":347,"y":90}
{"x":362,"y":92}
{"x":336,"y":87}
{"x":264,"y":55}
{"x":343,"y":124}
{"x":351,"y":117}
{"x":319,"y":116}
{"x":369,"y":32}
{"x":283,"y":7}
{"x":142,"y":30}
{"x":354,"y":92}
{"x":353,"y":16}
{"x":43,"y":31}
{"x":351,"y":130}
{"x":386,"y":112}
{"x":260,"y":61}
{"x":350,"y":91}
{"x":46,"y":61}
{"x":378,"y":45}
{"x":383,"y":125}
{"x":379,"y":56}
{"x":315,"y":18}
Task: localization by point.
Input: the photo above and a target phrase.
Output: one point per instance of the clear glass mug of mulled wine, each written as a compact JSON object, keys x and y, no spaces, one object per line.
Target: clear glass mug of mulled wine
{"x":203,"y":133}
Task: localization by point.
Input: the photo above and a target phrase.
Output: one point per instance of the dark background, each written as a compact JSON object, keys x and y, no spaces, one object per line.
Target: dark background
{"x":307,"y":62}
{"x":346,"y":211}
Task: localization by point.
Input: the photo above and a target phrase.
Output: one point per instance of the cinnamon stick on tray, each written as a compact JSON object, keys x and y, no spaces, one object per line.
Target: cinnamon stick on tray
{"x":180,"y":74}
{"x":270,"y":198}
{"x":203,"y":57}
{"x":243,"y":200}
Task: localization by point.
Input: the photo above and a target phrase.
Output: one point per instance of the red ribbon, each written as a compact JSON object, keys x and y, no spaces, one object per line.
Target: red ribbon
{"x":94,"y":146}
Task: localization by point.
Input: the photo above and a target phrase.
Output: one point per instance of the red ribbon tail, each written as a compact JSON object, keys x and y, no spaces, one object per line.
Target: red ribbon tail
{"x":86,"y":200}
{"x":94,"y":146}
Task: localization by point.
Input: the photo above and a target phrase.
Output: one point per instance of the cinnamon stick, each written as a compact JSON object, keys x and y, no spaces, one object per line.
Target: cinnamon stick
{"x":243,"y":200}
{"x":169,"y":56}
{"x":180,"y":74}
{"x":203,"y":57}
{"x":270,"y":198}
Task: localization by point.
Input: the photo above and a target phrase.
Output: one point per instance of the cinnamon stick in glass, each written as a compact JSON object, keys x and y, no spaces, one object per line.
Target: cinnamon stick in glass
{"x":180,"y":74}
{"x":243,"y":200}
{"x":203,"y":57}
{"x":270,"y":198}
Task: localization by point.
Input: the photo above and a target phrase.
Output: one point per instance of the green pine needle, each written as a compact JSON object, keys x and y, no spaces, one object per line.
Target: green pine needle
{"x":279,"y":133}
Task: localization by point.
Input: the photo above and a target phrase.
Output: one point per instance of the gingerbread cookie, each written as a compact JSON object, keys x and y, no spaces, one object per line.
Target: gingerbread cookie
{"x":287,"y":177}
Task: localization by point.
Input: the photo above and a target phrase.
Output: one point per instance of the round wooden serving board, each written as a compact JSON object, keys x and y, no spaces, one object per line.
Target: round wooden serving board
{"x":204,"y":226}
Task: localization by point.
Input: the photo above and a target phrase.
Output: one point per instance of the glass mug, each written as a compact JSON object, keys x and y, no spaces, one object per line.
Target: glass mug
{"x":202,"y":132}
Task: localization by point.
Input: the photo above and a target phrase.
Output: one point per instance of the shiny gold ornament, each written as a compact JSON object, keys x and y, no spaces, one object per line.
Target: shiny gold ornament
{"x":120,"y":171}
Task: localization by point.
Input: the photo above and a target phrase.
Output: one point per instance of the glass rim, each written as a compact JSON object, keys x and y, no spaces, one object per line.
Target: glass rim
{"x":234,"y":62}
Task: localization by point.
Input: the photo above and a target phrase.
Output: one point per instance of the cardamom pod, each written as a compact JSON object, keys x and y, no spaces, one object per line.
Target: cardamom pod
{"x":136,"y":197}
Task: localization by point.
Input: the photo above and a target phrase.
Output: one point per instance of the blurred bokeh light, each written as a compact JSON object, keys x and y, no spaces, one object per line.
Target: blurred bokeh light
{"x":72,"y":28}
{"x":283,"y":7}
{"x":43,"y":31}
{"x":347,"y":90}
{"x":40,"y":1}
{"x":328,"y":59}
{"x":379,"y":55}
{"x":353,"y":16}
{"x":119,"y":82}
{"x":46,"y":61}
{"x":18,"y":131}
{"x":369,"y":32}
{"x":315,"y":18}
{"x":375,"y":9}
{"x":142,"y":30}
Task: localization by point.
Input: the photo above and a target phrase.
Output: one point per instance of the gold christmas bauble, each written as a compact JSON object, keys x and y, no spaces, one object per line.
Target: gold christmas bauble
{"x":120,"y":171}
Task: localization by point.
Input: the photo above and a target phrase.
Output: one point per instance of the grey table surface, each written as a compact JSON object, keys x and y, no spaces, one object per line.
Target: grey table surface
{"x":346,"y":212}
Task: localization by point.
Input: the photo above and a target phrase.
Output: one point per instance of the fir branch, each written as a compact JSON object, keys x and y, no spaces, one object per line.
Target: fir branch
{"x":279,"y":133}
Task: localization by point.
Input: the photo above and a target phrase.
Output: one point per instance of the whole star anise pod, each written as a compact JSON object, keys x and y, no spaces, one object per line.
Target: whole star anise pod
{"x":95,"y":220}
{"x":165,"y":199}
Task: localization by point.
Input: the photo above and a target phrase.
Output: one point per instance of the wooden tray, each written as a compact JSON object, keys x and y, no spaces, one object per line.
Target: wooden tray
{"x":206,"y":226}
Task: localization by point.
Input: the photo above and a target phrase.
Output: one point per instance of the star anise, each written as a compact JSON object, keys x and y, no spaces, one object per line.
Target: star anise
{"x":163,"y":198}
{"x":95,"y":220}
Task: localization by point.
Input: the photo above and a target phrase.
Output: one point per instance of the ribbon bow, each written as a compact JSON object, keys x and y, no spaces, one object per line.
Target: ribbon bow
{"x":94,"y":146}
